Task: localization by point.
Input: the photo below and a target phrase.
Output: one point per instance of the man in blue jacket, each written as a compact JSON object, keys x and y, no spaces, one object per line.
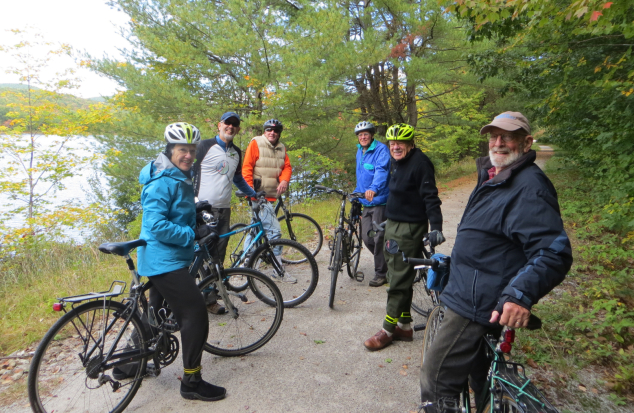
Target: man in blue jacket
{"x":510,"y":251}
{"x":373,"y":167}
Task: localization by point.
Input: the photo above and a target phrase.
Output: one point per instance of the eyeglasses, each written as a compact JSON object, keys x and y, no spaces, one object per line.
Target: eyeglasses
{"x":276,"y":130}
{"x":234,"y":123}
{"x":506,"y":137}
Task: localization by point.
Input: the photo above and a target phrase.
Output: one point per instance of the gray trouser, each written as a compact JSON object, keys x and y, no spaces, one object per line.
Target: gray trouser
{"x":456,"y":354}
{"x":374,"y":245}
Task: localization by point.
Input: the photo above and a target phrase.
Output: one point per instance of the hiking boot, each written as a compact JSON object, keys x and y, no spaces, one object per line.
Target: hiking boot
{"x":378,"y":281}
{"x":216,"y":308}
{"x":378,"y":341}
{"x":201,"y":390}
{"x":403,"y":335}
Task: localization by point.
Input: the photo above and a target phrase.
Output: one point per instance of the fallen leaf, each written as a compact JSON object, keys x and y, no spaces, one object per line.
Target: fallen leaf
{"x":302,"y":333}
{"x":408,"y":358}
{"x":319,"y":341}
{"x":301,"y":358}
{"x":595,"y":391}
{"x":582,"y":387}
{"x":381,"y":365}
{"x":388,"y":360}
{"x":402,"y":373}
{"x":405,"y":366}
{"x":531,"y":363}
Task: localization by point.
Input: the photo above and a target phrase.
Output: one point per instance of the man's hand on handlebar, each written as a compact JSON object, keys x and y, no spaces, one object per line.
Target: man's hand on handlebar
{"x":369,"y":195}
{"x":260,"y":194}
{"x":435,"y":238}
{"x":513,"y":315}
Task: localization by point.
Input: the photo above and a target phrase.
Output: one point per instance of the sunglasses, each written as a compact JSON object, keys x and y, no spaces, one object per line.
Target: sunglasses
{"x":276,"y":130}
{"x":234,"y":123}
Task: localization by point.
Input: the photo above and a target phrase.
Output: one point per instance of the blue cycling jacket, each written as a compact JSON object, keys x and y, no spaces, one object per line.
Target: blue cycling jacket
{"x":373,"y":172}
{"x":169,"y":217}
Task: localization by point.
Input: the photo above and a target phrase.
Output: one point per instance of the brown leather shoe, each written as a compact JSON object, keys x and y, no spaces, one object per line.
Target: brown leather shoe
{"x":378,"y":281}
{"x":378,"y":341}
{"x":216,"y":308}
{"x":403,"y":335}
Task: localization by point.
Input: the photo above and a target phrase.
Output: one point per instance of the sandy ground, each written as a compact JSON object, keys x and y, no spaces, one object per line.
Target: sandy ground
{"x":316,"y":362}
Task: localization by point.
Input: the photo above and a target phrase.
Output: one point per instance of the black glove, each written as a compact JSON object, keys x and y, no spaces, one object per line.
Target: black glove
{"x":435,"y":238}
{"x":203,"y":206}
{"x":202,"y":231}
{"x":260,"y":194}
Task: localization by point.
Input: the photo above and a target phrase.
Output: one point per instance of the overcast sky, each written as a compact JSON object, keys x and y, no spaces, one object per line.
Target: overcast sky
{"x":86,"y":25}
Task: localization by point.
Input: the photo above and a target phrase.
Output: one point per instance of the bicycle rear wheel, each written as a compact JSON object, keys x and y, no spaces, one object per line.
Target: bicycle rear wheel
{"x":335,"y":265}
{"x":433,"y":324}
{"x":354,"y":251}
{"x":303,"y":229}
{"x":422,"y":300}
{"x":296,"y":275}
{"x":507,"y":405}
{"x":255,"y":322}
{"x":59,"y":380}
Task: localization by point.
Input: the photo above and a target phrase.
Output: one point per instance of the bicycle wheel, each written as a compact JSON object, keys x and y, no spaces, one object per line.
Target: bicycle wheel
{"x":335,"y":265}
{"x":507,"y":405}
{"x":255,"y":321}
{"x":303,"y":229}
{"x":58,"y":378}
{"x":433,"y":324}
{"x":422,"y":300}
{"x":354,"y":251}
{"x":296,"y":275}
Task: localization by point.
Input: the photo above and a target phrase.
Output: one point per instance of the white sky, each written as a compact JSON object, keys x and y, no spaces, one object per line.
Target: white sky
{"x":86,"y":25}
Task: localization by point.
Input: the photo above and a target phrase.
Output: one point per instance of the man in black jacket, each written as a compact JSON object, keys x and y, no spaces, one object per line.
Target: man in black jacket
{"x":510,"y":251}
{"x":412,"y":202}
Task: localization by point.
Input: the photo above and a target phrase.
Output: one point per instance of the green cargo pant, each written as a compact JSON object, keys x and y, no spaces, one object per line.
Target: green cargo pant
{"x":400,"y":275}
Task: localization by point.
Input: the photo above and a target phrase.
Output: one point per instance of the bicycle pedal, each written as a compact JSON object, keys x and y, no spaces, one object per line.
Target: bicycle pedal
{"x":359,"y":276}
{"x":152,"y":370}
{"x":170,"y":326}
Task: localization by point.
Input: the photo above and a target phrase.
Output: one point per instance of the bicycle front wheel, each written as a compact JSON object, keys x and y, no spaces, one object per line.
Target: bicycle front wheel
{"x":335,"y":266}
{"x":254,"y":322}
{"x":422,"y":301}
{"x":433,"y":324}
{"x":303,"y":229}
{"x":354,"y":251}
{"x":294,"y":270}
{"x":71,"y":370}
{"x":507,"y":405}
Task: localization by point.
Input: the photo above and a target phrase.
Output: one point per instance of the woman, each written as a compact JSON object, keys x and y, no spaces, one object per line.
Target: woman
{"x":169,"y":228}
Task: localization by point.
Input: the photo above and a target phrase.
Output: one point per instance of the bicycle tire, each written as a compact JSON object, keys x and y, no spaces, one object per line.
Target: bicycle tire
{"x":57,"y":369}
{"x":422,"y":300}
{"x":304,"y":230}
{"x":433,"y":324}
{"x":354,"y":250}
{"x":507,"y":405}
{"x":256,"y":322}
{"x":297,"y":263}
{"x":335,"y":265}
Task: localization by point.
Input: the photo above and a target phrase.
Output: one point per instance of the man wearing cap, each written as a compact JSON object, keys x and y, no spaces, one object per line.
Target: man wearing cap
{"x":510,"y":251}
{"x":218,"y":165}
{"x":267,"y":168}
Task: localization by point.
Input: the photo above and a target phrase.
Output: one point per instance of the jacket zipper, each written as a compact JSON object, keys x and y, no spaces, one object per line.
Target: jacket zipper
{"x":473,"y":293}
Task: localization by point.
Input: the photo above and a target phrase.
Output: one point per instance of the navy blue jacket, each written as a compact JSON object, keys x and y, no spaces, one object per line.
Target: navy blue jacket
{"x":511,"y":243}
{"x":373,"y":172}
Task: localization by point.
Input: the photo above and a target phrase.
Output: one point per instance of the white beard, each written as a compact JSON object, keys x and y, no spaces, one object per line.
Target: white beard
{"x":504,"y":161}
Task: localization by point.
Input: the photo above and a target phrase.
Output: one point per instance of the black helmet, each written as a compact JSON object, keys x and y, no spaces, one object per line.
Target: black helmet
{"x":273,"y":123}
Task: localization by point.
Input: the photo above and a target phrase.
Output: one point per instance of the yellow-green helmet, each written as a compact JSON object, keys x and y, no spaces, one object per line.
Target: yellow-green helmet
{"x":400,"y":132}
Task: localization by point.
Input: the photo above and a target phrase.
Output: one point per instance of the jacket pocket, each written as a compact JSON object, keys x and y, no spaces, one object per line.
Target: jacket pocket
{"x":368,"y":166}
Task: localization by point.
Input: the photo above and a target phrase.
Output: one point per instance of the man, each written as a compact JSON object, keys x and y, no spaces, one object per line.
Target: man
{"x":511,"y":250}
{"x":412,"y":202}
{"x":218,"y":164}
{"x":373,"y":174}
{"x":267,"y":168}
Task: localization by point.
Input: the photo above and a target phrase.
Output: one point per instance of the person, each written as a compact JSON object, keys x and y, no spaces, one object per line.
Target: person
{"x":412,"y":203}
{"x":373,"y":175}
{"x":169,"y":228}
{"x":511,"y":249}
{"x":218,"y":165}
{"x":267,"y":168}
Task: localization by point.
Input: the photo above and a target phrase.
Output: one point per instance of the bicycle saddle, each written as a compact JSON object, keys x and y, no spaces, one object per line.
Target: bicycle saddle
{"x":121,"y":248}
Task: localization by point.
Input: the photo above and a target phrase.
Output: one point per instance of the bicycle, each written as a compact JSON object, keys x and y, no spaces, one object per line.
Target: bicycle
{"x":346,"y":245}
{"x":299,"y":227}
{"x":507,"y":388}
{"x":295,"y":271}
{"x":73,"y":366}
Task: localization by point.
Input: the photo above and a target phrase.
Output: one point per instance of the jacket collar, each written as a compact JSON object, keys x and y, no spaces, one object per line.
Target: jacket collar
{"x":522,"y":162}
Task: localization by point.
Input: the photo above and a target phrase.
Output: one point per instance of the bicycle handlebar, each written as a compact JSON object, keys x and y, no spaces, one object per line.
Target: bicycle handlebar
{"x":340,"y":192}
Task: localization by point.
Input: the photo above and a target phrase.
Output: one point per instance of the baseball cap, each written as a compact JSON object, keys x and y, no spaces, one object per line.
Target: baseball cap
{"x":509,"y":121}
{"x":228,"y":115}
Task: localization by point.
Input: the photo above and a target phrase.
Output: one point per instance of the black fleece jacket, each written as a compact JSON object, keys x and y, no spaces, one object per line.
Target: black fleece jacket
{"x":413,"y":194}
{"x":511,"y":244}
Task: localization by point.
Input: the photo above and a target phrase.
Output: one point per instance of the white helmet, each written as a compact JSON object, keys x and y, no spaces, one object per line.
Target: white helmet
{"x":364,"y":126}
{"x":181,"y":132}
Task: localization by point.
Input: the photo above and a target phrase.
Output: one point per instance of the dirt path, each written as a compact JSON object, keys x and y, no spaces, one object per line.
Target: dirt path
{"x":316,"y":362}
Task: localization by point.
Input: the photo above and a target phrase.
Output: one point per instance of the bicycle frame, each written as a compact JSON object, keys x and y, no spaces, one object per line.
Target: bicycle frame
{"x":260,"y":235}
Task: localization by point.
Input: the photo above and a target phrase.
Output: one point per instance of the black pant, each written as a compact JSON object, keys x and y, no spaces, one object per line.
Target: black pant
{"x":186,"y":301}
{"x":223,"y":215}
{"x":374,"y":245}
{"x":456,"y":355}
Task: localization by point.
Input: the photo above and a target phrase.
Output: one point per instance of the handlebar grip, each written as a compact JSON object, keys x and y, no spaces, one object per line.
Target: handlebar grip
{"x":422,"y":261}
{"x":213,"y":237}
{"x":534,"y":322}
{"x":240,"y":194}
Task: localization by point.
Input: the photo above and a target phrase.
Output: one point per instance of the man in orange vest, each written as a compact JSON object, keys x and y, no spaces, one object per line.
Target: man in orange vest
{"x":267,"y":168}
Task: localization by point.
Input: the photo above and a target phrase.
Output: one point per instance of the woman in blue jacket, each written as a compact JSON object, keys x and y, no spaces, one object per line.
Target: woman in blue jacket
{"x":169,"y":228}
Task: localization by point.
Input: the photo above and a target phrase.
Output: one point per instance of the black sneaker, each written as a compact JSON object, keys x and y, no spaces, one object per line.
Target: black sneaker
{"x":204,"y":391}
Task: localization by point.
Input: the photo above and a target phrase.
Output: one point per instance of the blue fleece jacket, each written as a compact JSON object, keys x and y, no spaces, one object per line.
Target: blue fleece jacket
{"x":169,"y":217}
{"x":373,"y":172}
